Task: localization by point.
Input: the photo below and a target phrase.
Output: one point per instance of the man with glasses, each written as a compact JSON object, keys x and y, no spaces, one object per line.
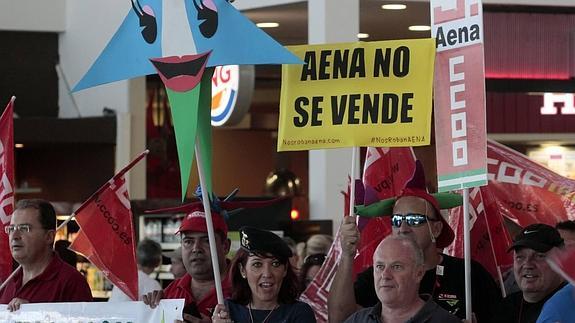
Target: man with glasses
{"x":44,"y":277}
{"x":197,"y":286}
{"x":416,"y":214}
{"x":536,"y":280}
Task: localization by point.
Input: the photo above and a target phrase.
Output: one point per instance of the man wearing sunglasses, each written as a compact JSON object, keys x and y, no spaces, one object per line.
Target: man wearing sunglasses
{"x":44,"y":277}
{"x":415,"y":214}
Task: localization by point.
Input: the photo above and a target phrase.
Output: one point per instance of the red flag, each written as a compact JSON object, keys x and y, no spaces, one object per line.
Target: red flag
{"x":107,"y":236}
{"x":386,"y":171}
{"x":520,"y":190}
{"x":489,"y":238}
{"x":6,"y":185}
{"x":562,"y":262}
{"x":527,"y":192}
{"x":81,"y":242}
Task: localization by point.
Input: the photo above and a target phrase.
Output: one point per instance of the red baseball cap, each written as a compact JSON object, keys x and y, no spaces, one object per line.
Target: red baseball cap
{"x":195,"y":220}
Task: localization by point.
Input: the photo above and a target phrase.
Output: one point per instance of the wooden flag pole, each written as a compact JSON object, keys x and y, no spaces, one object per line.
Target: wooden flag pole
{"x":209,"y":224}
{"x":467,"y":254}
{"x":352,"y":183}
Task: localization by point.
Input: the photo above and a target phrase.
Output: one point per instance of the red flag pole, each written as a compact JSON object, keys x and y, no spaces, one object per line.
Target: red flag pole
{"x":71,"y":216}
{"x":499,"y":275}
{"x":103,"y":187}
{"x":209,"y":224}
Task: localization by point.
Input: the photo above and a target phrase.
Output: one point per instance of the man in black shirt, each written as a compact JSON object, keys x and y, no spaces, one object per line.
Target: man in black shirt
{"x":536,"y":280}
{"x":415,"y":214}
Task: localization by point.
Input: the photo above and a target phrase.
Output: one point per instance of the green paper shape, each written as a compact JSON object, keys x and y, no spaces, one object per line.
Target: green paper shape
{"x":184,"y":107}
{"x":205,"y":127}
{"x":191,"y":115}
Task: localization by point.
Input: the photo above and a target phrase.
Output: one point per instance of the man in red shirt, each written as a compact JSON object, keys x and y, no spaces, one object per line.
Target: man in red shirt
{"x":197,"y":286}
{"x":44,"y":277}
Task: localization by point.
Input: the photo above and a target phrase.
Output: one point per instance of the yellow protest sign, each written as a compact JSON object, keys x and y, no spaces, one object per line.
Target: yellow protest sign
{"x":357,"y":94}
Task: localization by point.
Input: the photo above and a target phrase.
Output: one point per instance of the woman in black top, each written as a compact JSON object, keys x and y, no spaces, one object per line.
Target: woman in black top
{"x":264,"y":285}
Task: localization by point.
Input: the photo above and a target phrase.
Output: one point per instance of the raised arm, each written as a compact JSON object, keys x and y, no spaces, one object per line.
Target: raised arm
{"x":341,"y":300}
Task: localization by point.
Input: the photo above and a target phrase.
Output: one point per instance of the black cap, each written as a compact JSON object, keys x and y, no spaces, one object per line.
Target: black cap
{"x":264,"y":242}
{"x":539,"y":237}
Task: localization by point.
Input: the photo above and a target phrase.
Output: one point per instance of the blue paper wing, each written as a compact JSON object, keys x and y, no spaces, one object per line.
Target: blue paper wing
{"x":237,"y":40}
{"x":127,"y":53}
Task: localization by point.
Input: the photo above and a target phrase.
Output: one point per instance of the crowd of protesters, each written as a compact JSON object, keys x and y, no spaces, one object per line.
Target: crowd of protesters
{"x":410,"y":280}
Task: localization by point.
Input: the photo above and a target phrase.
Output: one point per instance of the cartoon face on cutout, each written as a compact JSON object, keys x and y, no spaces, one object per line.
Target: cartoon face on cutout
{"x":179,"y":38}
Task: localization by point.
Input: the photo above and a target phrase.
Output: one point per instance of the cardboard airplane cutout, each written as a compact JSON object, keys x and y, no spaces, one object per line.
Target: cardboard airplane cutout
{"x":181,"y":40}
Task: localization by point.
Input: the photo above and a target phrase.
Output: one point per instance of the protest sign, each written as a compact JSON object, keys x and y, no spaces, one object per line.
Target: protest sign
{"x":357,"y":94}
{"x":130,"y":312}
{"x":459,"y":111}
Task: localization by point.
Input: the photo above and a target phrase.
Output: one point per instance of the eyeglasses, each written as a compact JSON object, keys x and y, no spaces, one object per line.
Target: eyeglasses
{"x":316,"y":259}
{"x":22,"y":228}
{"x":412,"y":219}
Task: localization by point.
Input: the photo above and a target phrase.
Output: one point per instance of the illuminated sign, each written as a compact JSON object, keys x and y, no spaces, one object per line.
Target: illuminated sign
{"x":232,"y":88}
{"x":550,"y":99}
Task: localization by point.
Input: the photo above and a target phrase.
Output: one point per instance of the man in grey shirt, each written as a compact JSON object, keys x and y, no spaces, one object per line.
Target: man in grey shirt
{"x":397,"y":271}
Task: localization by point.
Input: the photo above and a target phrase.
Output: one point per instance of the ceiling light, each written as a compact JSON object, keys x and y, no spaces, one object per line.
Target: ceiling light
{"x":419,"y":28}
{"x":268,"y":24}
{"x":362,"y":35}
{"x":393,"y":6}
{"x":19,"y":145}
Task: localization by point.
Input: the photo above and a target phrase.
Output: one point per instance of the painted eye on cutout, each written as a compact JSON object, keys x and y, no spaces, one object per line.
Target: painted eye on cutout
{"x":147,"y":21}
{"x":208,"y":15}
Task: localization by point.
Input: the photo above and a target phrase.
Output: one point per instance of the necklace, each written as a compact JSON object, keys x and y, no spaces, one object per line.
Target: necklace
{"x":267,"y":316}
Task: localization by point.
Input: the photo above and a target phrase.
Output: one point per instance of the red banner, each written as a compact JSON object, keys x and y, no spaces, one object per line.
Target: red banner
{"x":526,"y":192}
{"x":106,"y":236}
{"x":520,"y":190}
{"x":6,"y":185}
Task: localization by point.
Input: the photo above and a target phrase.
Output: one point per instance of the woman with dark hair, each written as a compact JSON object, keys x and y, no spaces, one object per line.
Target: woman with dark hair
{"x":264,"y":286}
{"x":310,"y":268}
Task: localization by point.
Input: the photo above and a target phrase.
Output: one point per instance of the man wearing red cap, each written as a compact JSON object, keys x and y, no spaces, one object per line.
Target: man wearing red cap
{"x":197,"y":287}
{"x":416,"y":214}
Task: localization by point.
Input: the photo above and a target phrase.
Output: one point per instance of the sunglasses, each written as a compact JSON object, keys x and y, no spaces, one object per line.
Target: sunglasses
{"x":412,"y":219}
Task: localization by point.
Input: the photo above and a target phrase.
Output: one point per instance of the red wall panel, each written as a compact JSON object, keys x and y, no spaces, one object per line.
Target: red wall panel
{"x":520,"y":113}
{"x":528,"y":45}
